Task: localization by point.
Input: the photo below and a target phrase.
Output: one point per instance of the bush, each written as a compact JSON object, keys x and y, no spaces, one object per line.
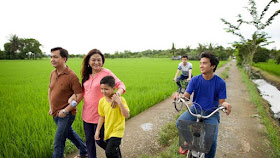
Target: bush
{"x":261,"y":55}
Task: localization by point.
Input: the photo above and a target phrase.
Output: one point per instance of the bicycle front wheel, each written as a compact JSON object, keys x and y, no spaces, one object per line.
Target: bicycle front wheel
{"x":178,"y":105}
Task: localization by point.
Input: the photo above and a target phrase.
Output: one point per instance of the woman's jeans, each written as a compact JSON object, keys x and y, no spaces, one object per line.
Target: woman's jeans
{"x":90,"y":129}
{"x":215,"y":120}
{"x":64,"y":130}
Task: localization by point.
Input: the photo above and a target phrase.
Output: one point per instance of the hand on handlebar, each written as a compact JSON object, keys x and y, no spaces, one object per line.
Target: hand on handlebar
{"x":175,"y":96}
{"x":227,"y":106}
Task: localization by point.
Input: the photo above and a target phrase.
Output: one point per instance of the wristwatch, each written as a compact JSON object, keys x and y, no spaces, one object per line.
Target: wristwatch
{"x":64,"y":112}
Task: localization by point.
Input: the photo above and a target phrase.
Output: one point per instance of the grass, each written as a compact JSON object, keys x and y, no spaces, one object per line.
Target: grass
{"x":27,"y":130}
{"x":272,"y":128}
{"x":224,"y":74}
{"x":269,"y":66}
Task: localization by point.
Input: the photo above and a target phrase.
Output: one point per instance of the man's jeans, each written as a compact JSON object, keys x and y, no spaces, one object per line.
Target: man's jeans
{"x":215,"y":119}
{"x":64,"y":130}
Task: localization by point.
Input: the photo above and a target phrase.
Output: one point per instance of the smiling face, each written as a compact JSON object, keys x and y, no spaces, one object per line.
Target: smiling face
{"x":56,"y":59}
{"x":95,"y":61}
{"x":205,"y":66}
{"x":106,"y":90}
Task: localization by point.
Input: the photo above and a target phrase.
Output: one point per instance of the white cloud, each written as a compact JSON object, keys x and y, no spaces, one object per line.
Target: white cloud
{"x":124,"y":24}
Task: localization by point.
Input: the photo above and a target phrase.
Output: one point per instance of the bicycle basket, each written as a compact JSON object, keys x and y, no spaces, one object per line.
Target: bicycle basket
{"x":196,"y":136}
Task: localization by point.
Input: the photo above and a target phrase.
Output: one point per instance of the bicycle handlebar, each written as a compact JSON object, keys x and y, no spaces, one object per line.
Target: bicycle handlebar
{"x":199,"y":115}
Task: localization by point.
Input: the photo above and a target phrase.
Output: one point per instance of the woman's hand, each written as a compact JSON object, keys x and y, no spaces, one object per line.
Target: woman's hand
{"x":116,"y":100}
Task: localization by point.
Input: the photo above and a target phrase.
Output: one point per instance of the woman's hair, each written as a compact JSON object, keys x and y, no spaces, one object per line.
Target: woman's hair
{"x":213,"y":59}
{"x":86,"y":69}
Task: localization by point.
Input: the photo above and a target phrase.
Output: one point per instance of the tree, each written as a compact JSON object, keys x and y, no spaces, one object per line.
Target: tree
{"x":259,"y":38}
{"x":173,"y":49}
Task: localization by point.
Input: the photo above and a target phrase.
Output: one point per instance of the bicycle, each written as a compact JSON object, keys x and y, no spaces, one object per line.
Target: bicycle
{"x":179,"y":105}
{"x":196,"y":136}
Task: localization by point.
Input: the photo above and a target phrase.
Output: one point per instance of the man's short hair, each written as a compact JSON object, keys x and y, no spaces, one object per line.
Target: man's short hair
{"x":63,"y":52}
{"x":109,"y":80}
{"x":213,"y":59}
{"x":184,"y":56}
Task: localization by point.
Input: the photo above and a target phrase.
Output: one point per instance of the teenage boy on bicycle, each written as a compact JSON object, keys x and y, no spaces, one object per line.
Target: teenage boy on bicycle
{"x":113,"y":115}
{"x":209,"y":92}
{"x":186,"y":68}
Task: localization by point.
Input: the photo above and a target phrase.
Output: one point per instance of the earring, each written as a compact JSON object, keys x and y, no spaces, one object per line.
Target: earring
{"x":88,"y":65}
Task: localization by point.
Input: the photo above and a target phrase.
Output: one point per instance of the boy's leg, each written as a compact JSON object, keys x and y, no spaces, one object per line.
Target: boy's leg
{"x":63,"y":126}
{"x":76,"y":139}
{"x":100,"y":142}
{"x":113,"y":148}
{"x":90,"y":142}
{"x":215,"y":119}
{"x":178,"y":82}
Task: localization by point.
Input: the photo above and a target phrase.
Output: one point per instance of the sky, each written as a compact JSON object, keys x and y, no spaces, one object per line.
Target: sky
{"x":134,"y":25}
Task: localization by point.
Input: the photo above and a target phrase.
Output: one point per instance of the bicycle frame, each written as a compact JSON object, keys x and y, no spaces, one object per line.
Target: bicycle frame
{"x":193,"y":153}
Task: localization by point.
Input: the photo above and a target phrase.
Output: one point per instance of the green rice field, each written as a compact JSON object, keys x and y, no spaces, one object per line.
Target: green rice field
{"x":269,"y":66}
{"x":27,"y":131}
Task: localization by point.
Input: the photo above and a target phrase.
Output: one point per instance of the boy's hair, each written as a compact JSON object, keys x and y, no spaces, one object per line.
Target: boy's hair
{"x":109,"y":80}
{"x":184,"y":56}
{"x":63,"y":52}
{"x":213,"y":59}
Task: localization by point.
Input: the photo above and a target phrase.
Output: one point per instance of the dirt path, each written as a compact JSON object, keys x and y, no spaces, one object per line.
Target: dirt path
{"x":240,"y":135}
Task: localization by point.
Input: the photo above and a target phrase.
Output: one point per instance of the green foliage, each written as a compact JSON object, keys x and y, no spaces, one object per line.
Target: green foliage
{"x":21,"y":48}
{"x":261,"y":55}
{"x":269,"y":66}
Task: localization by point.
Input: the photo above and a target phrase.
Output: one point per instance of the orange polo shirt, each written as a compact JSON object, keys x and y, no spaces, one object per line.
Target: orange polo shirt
{"x":62,"y":87}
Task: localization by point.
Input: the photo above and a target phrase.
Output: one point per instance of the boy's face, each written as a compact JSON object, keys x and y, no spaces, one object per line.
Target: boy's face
{"x":106,"y":90}
{"x":184,"y":60}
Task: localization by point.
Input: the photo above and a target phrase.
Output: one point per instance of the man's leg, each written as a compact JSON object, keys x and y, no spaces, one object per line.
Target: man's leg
{"x":90,"y":142}
{"x":76,"y":139}
{"x":215,"y":119}
{"x":60,"y":135}
{"x":113,"y":148}
{"x":180,"y":78}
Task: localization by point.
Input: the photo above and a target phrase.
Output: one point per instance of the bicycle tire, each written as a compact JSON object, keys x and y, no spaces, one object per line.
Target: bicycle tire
{"x":178,"y":106}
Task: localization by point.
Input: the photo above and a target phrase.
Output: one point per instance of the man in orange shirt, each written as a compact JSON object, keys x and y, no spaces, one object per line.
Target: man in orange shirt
{"x":64,"y":87}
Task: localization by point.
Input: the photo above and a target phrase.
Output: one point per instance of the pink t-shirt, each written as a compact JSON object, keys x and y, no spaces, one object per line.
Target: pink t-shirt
{"x":92,"y":95}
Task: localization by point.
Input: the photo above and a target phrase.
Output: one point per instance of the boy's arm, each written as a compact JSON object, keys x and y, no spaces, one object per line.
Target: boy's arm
{"x":124,"y":111}
{"x":190,"y":74}
{"x":99,"y":125}
{"x":176,"y":75}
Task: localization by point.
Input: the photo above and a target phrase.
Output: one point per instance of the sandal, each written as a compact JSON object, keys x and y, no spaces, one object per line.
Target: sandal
{"x":183,"y":152}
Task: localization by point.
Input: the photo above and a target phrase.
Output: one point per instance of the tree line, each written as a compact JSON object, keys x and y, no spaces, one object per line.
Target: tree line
{"x":21,"y":48}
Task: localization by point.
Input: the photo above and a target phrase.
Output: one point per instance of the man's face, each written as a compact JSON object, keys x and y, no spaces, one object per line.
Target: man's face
{"x":56,"y":59}
{"x":106,"y":90}
{"x":205,"y":66}
{"x":184,"y":60}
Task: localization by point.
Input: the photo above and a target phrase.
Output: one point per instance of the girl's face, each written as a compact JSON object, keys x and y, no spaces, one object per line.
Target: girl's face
{"x":95,"y":62}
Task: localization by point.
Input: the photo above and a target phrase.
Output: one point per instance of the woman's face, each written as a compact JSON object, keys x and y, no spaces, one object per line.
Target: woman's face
{"x":95,"y":62}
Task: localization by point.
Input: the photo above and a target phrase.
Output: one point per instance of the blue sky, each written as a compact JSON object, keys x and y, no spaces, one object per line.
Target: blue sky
{"x":134,"y":25}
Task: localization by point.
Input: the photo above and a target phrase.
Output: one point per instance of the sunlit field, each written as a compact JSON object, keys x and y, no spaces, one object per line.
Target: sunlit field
{"x":269,"y":66}
{"x":26,"y":128}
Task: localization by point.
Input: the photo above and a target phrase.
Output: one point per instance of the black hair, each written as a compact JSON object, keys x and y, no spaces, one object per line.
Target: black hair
{"x":109,"y":80}
{"x":63,"y":52}
{"x":213,"y":59}
{"x":184,"y":56}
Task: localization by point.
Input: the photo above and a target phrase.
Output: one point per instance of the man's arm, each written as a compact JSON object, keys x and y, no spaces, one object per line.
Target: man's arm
{"x":69,"y":108}
{"x":49,"y":97}
{"x":226,"y":105}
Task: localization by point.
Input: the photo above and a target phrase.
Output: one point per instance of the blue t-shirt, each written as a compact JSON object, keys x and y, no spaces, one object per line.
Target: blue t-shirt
{"x":207,"y":92}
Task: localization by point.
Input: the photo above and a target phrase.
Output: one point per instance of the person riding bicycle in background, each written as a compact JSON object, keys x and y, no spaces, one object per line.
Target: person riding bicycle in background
{"x":186,"y":68}
{"x":209,"y":92}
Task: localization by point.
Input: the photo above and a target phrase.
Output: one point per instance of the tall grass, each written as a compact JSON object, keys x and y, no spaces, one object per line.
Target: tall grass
{"x":27,"y":130}
{"x":269,"y":66}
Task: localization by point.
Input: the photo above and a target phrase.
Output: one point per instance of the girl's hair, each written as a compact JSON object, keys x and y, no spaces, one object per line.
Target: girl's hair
{"x":86,"y":69}
{"x":213,"y":59}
